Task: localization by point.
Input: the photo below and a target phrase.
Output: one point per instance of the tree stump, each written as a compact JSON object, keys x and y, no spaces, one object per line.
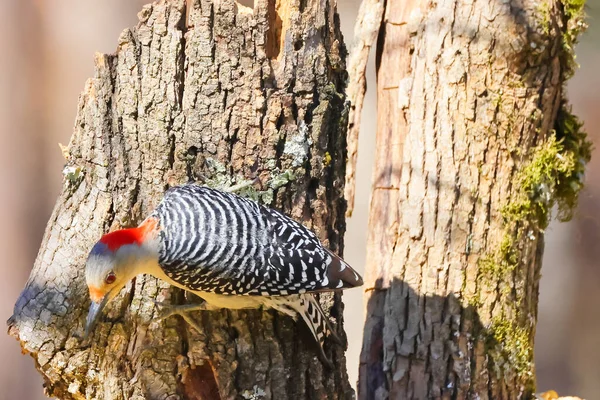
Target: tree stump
{"x":475,"y":145}
{"x":210,"y":91}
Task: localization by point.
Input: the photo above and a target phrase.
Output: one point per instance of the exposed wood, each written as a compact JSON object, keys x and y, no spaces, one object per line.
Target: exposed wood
{"x":366,"y":29}
{"x":468,"y":96}
{"x":192,"y":92}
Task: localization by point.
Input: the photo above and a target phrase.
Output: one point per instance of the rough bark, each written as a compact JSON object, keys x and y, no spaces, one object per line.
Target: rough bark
{"x":471,"y":156}
{"x":214,"y":91}
{"x":366,"y":29}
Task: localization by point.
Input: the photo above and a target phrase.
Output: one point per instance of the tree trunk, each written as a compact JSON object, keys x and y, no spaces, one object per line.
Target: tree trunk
{"x":215,"y":91}
{"x":474,"y":147}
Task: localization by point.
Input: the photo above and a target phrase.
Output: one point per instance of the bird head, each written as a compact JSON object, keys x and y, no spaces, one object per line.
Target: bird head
{"x":114,"y":260}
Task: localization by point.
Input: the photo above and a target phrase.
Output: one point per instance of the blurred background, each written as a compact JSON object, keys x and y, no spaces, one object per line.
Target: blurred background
{"x":47,"y":50}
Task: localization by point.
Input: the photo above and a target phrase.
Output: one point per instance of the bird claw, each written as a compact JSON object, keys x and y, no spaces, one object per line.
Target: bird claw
{"x":326,"y":361}
{"x":183,"y":310}
{"x":333,"y":336}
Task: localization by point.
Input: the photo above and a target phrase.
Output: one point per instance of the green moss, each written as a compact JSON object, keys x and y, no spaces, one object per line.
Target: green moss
{"x":510,"y":347}
{"x":575,"y":25}
{"x":554,"y":175}
{"x":544,"y":16}
{"x":280,"y":179}
{"x":498,"y":266}
{"x":218,"y":176}
{"x":220,"y":179}
{"x":326,"y":159}
{"x":577,"y":146}
{"x":574,"y":8}
{"x":73,"y":176}
{"x":261,"y":196}
{"x":271,"y":164}
{"x":475,"y":301}
{"x":534,"y":182}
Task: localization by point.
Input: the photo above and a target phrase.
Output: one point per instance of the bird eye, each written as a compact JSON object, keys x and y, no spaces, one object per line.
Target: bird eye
{"x":110,"y":278}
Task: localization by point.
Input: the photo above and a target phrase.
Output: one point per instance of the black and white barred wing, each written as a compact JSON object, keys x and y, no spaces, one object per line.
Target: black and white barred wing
{"x":211,"y":241}
{"x":218,"y":242}
{"x":305,"y":265}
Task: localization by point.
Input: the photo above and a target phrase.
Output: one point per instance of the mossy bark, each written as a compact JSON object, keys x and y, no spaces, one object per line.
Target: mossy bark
{"x":471,"y":157}
{"x":213,"y":91}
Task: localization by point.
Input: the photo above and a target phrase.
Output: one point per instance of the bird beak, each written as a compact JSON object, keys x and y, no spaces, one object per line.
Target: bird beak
{"x":94,"y":314}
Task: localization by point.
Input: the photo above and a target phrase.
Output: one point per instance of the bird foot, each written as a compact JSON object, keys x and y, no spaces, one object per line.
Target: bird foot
{"x":183,"y":310}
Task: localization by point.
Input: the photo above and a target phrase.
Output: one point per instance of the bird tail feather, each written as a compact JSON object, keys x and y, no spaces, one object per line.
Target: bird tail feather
{"x":307,"y":307}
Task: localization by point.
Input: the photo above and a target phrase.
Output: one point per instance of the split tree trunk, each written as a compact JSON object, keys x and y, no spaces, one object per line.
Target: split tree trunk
{"x":474,"y":146}
{"x":215,"y":91}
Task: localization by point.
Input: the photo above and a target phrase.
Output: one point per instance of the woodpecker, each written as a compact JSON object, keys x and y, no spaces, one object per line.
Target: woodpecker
{"x":230,"y":251}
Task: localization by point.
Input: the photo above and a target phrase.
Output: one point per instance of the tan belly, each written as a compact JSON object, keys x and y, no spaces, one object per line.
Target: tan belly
{"x":231,"y":301}
{"x":215,"y":300}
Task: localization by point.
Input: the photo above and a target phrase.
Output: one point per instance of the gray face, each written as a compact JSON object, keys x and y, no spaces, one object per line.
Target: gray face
{"x":108,"y":271}
{"x":100,"y":262}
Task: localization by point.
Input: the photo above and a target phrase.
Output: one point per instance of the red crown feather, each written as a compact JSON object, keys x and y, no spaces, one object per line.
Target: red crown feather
{"x":114,"y":240}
